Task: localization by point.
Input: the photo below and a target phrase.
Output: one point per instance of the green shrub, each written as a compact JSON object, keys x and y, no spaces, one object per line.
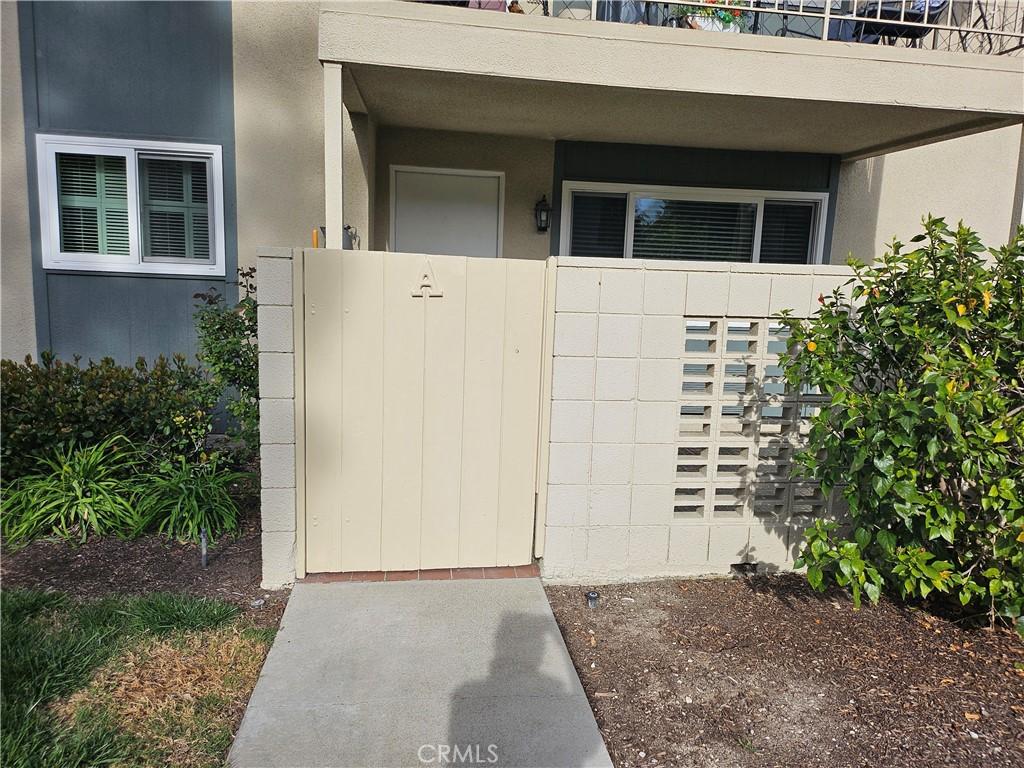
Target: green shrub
{"x":925,"y":433}
{"x":182,"y":499}
{"x":227,"y":347}
{"x":48,"y":404}
{"x":78,"y":492}
{"x":110,"y":488}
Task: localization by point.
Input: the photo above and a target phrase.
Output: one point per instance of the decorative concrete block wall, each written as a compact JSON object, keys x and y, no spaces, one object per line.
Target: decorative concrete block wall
{"x":277,"y":414}
{"x":672,"y":432}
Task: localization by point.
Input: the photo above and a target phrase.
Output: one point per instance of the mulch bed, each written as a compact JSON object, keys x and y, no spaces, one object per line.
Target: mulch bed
{"x":109,"y":566}
{"x":762,"y":671}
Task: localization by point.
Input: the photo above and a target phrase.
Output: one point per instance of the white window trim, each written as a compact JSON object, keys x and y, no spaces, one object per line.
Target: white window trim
{"x":392,"y":186}
{"x":708,"y":194}
{"x":47,"y":147}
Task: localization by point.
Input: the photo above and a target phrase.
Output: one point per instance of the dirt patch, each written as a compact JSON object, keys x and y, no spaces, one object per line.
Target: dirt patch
{"x":181,"y":697}
{"x":765,"y":672}
{"x":111,"y":566}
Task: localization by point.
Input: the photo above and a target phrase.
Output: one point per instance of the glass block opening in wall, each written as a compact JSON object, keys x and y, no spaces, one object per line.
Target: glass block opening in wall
{"x":771,"y":501}
{"x":691,"y":462}
{"x":775,"y":459}
{"x":690,"y":501}
{"x":701,"y":337}
{"x":807,"y":500}
{"x":778,"y":420}
{"x":773,"y":382}
{"x":736,"y":421}
{"x":730,"y":502}
{"x":733,"y":464}
{"x":741,"y":337}
{"x":698,"y":379}
{"x":694,"y":420}
{"x":739,"y":379}
{"x":740,"y":426}
{"x":777,"y":341}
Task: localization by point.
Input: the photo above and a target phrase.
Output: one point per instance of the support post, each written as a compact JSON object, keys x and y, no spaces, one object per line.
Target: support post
{"x":281,"y":472}
{"x":334,"y":120}
{"x":1017,"y":212}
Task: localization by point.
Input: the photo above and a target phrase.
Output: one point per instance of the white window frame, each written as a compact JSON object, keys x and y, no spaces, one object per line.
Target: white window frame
{"x":394,"y":170}
{"x":703,"y":194}
{"x":47,"y":148}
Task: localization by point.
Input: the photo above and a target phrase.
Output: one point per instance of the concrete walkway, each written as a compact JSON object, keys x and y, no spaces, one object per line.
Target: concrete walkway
{"x":419,"y":673}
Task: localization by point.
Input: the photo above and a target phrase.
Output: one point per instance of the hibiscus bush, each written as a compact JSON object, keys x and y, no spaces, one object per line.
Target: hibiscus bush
{"x":923,"y":360}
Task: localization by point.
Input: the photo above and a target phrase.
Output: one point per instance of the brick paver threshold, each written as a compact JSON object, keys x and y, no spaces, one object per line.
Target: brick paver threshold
{"x":433,"y":574}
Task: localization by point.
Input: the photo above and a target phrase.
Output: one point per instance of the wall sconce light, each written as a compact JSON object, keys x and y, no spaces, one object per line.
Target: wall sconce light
{"x":542,"y":214}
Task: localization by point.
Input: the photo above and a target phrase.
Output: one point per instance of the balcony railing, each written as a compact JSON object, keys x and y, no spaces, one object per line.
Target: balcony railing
{"x":972,"y":26}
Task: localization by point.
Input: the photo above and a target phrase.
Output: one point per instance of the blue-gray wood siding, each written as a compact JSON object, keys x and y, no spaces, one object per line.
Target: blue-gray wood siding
{"x":692,"y":167}
{"x":99,"y":315}
{"x":137,"y":70}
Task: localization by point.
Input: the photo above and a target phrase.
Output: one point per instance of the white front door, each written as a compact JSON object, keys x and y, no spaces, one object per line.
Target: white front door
{"x":448,"y":212}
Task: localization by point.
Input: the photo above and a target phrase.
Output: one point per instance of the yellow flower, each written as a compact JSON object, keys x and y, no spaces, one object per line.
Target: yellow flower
{"x":811,"y":346}
{"x":961,"y":310}
{"x":986,"y":297}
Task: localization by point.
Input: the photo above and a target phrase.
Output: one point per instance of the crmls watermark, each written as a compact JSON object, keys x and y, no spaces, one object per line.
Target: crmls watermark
{"x":458,"y":754}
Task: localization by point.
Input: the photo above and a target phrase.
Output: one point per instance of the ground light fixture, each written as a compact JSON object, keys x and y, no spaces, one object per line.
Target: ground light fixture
{"x":591,"y":599}
{"x":542,"y":214}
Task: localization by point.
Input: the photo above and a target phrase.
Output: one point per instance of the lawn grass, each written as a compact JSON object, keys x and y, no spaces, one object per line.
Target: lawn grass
{"x":153,"y":680}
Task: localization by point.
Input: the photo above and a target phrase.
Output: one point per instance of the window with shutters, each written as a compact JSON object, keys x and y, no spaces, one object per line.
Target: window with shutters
{"x":124,"y":206}
{"x":93,"y":203}
{"x":175,"y":209}
{"x":634,"y":221}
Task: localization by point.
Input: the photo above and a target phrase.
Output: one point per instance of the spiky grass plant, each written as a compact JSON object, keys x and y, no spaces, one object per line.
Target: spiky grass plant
{"x":183,"y":499}
{"x":77,"y":492}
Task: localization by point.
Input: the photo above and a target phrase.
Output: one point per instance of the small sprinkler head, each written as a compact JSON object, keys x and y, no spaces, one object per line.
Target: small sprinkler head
{"x":591,"y":599}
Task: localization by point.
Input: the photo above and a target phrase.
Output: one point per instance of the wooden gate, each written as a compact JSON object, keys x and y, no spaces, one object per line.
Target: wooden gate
{"x":421,"y":382}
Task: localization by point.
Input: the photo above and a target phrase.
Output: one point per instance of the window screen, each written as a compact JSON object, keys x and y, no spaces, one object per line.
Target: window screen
{"x":92,"y":204}
{"x":598,"y":224}
{"x":787,"y":232}
{"x":175,"y":209}
{"x":694,"y":229}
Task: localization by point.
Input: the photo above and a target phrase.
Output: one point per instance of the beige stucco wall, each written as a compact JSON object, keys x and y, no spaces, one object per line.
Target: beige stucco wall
{"x":448,"y":69}
{"x":278,"y":125}
{"x":528,"y":165}
{"x":359,"y":148}
{"x":974,"y":178}
{"x":17,"y":315}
